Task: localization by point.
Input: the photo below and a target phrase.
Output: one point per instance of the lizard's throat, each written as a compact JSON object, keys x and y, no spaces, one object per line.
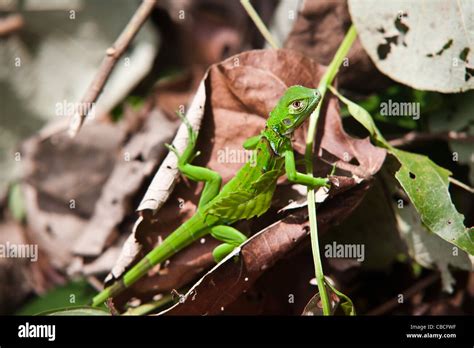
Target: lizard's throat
{"x":275,"y":139}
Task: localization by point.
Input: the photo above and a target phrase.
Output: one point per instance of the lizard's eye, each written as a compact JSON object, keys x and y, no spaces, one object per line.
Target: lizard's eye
{"x":297,"y":104}
{"x":287,"y":122}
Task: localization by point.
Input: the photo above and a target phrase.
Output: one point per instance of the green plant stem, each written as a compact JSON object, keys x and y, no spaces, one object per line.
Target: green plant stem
{"x":259,"y":23}
{"x":326,"y":80}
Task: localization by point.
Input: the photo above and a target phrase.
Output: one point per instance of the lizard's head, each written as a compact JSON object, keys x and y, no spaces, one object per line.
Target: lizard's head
{"x":293,"y":109}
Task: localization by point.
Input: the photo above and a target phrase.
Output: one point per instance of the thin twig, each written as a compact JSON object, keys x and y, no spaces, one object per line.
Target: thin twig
{"x":417,"y":287}
{"x":325,"y":81}
{"x":461,"y":184}
{"x":415,"y":137}
{"x":10,"y":24}
{"x":113,"y":54}
{"x":259,"y":23}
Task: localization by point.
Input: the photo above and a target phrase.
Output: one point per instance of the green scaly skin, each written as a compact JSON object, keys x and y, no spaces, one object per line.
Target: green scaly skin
{"x":247,"y":195}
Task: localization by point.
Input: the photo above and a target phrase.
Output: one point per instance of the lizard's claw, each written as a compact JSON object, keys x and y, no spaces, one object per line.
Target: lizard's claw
{"x":173,"y":149}
{"x":328,"y":184}
{"x":191,"y":133}
{"x":195,"y":155}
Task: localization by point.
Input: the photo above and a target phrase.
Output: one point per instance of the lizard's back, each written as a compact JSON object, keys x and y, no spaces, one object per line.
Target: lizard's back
{"x":250,"y":192}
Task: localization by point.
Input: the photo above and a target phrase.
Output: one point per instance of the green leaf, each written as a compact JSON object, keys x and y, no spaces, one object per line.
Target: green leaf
{"x":427,"y":249}
{"x":313,"y":307}
{"x":361,"y":115}
{"x":345,"y":302}
{"x":426,"y":184}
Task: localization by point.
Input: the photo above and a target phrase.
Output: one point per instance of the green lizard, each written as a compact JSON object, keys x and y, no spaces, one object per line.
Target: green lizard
{"x":247,"y":195}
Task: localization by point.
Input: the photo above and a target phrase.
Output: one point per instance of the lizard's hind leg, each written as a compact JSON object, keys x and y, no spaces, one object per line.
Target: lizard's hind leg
{"x":231,"y":237}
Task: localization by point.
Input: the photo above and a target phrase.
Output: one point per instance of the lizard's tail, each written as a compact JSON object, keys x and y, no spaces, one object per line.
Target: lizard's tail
{"x":184,"y":235}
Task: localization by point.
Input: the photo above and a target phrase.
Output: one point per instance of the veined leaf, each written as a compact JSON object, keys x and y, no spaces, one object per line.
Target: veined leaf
{"x":426,"y":184}
{"x":359,"y":113}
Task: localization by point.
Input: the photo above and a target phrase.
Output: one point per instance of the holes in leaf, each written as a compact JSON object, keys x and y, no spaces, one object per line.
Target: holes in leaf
{"x":354,"y":161}
{"x":464,"y":53}
{"x":447,"y":45}
{"x":384,"y":49}
{"x":468,"y":74}
{"x":401,"y":27}
{"x":412,"y":175}
{"x":140,"y":158}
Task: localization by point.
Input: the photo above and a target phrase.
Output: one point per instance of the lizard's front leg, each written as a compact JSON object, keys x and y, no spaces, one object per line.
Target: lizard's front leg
{"x":300,"y":178}
{"x":211,"y":178}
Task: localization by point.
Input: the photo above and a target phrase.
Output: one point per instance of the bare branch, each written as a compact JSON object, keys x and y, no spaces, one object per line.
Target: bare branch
{"x":461,"y":184}
{"x":10,"y":24}
{"x":415,"y":137}
{"x":408,"y":293}
{"x":113,"y":54}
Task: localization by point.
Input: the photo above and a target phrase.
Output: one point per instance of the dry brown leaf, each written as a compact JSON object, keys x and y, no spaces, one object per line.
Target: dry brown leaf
{"x":53,"y":165}
{"x":62,"y":181}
